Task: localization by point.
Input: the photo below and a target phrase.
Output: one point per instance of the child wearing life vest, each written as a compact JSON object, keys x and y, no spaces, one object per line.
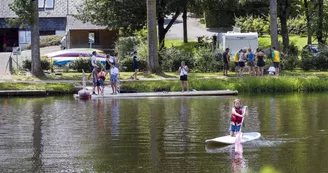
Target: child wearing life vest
{"x":101,"y":82}
{"x":236,"y":117}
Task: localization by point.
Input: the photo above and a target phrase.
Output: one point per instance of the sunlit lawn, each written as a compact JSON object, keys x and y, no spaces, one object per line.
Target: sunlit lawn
{"x":168,"y":75}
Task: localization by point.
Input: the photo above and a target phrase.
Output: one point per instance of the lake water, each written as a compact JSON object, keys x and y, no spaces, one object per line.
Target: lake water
{"x":61,"y":134}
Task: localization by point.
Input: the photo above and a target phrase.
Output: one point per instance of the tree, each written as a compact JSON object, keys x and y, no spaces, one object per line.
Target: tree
{"x":185,"y":26}
{"x":308,"y":24}
{"x":127,"y":15}
{"x":153,"y":63}
{"x":273,"y":24}
{"x":320,"y":22}
{"x":284,"y":6}
{"x":27,"y":11}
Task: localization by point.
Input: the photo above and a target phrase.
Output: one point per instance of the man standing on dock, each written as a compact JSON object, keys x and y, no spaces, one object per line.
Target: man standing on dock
{"x":94,"y":71}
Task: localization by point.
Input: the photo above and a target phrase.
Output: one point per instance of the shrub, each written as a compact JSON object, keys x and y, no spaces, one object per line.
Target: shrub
{"x":170,"y":59}
{"x":208,"y":60}
{"x":290,"y":59}
{"x":307,"y":62}
{"x":321,"y":61}
{"x":50,"y":40}
{"x":81,"y":63}
{"x":125,"y":46}
{"x":27,"y":64}
{"x":126,"y":65}
{"x":261,"y":25}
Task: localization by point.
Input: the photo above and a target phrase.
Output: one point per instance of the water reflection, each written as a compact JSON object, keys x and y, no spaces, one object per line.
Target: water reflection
{"x":115,"y":117}
{"x":37,"y":109}
{"x":61,"y":134}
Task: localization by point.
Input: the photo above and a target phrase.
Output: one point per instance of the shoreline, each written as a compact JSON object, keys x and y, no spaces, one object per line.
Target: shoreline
{"x":270,"y":84}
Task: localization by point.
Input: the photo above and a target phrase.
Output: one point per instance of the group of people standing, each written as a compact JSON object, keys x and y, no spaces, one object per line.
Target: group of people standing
{"x":99,"y":73}
{"x":255,"y":61}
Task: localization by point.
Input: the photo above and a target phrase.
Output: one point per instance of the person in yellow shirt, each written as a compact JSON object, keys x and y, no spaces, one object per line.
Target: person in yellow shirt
{"x":276,"y":60}
{"x":236,"y":60}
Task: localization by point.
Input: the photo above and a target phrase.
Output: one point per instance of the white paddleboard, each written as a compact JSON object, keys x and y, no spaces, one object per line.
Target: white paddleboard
{"x":247,"y":136}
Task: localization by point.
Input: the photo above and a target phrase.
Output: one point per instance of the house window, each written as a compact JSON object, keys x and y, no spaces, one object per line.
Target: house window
{"x":49,"y":3}
{"x":24,"y":37}
{"x":94,"y":37}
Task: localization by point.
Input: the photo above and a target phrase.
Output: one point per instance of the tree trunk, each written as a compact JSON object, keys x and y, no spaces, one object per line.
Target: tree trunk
{"x":308,"y":24}
{"x":161,"y":30}
{"x":283,"y":15}
{"x":152,"y":37}
{"x":35,"y":41}
{"x":320,"y":22}
{"x":273,"y":24}
{"x":185,"y":27}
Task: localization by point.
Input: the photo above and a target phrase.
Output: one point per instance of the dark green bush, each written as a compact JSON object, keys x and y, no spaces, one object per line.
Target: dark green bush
{"x":81,"y":64}
{"x":125,"y":46}
{"x":307,"y":60}
{"x":27,"y":64}
{"x":171,"y":59}
{"x":126,"y":65}
{"x":208,"y":60}
{"x":45,"y":41}
{"x":289,"y":59}
{"x":321,"y":61}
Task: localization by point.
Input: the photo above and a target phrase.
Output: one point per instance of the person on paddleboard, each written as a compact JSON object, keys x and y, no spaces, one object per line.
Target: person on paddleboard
{"x":236,"y":117}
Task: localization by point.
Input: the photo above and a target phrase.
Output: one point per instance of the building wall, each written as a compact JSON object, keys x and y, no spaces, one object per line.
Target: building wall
{"x":80,"y":39}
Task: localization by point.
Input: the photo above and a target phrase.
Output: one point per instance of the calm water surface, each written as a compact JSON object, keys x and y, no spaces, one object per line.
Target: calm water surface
{"x":61,"y":134}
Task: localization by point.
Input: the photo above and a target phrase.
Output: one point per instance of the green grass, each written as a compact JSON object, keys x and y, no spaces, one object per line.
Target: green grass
{"x":179,"y":44}
{"x":267,"y":84}
{"x":299,"y":41}
{"x":64,"y":87}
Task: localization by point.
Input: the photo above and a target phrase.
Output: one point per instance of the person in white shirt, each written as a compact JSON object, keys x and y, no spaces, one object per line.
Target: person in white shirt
{"x":94,"y":71}
{"x":114,"y":75}
{"x":183,"y":70}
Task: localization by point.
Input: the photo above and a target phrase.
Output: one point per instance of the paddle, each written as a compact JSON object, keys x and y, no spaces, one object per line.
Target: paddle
{"x":239,"y":135}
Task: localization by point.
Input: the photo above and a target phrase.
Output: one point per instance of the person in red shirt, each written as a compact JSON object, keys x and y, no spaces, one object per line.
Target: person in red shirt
{"x":237,"y":116}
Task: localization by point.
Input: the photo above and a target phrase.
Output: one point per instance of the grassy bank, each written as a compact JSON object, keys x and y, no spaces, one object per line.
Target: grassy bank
{"x":243,"y":85}
{"x":60,"y":87}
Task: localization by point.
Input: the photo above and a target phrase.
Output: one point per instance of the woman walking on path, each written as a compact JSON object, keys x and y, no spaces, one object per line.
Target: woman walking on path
{"x":135,"y":66}
{"x":260,"y":62}
{"x":183,"y":70}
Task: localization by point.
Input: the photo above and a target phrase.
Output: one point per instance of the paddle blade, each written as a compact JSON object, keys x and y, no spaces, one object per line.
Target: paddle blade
{"x":238,"y":146}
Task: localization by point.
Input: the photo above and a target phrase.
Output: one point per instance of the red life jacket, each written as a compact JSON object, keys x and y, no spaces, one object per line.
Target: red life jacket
{"x":235,"y":118}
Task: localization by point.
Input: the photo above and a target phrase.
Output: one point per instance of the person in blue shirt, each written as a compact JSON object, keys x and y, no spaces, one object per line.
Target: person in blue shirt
{"x":135,"y":66}
{"x":251,"y":61}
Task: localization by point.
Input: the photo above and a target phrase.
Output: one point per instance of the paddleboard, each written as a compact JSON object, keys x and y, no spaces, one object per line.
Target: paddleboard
{"x":247,"y":136}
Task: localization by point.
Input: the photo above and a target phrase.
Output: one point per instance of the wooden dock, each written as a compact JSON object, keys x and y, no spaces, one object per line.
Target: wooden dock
{"x":167,"y":94}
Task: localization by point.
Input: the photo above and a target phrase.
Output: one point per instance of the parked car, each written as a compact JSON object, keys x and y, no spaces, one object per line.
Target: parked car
{"x":314,"y":48}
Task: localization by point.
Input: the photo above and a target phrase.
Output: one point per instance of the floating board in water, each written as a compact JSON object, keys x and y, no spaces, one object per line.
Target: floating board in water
{"x":248,"y":136}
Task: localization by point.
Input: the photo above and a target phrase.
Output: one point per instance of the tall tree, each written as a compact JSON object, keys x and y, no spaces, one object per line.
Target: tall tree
{"x":127,"y":15}
{"x":273,"y":24}
{"x":164,"y":9}
{"x":283,"y":6}
{"x":185,"y":26}
{"x":320,"y":22}
{"x":152,"y":37}
{"x":308,"y":24}
{"x":28,"y":11}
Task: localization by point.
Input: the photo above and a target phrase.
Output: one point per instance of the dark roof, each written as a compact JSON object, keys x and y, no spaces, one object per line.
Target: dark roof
{"x":75,"y":24}
{"x":59,"y":10}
